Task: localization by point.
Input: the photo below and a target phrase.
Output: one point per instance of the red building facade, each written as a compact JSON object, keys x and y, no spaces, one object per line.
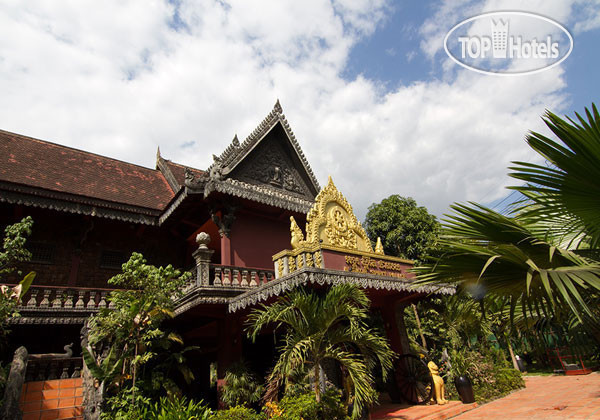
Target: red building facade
{"x":229,"y":225}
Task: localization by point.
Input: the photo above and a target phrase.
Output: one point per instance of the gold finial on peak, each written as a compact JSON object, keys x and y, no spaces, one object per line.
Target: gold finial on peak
{"x":379,"y":247}
{"x":331,"y":221}
{"x":297,"y":236}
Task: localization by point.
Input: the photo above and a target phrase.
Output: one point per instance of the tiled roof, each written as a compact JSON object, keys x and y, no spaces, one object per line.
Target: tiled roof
{"x":36,"y":163}
{"x":179,"y":171}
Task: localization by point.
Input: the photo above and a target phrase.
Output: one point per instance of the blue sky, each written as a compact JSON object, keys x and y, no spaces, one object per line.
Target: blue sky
{"x":365,"y":84}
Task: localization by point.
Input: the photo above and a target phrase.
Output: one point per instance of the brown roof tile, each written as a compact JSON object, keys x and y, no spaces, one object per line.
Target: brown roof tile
{"x":37,"y":163}
{"x":179,"y":171}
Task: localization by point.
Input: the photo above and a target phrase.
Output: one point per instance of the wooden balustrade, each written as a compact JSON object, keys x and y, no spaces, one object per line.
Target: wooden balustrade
{"x":238,"y":277}
{"x":63,"y":298}
{"x":54,"y":368}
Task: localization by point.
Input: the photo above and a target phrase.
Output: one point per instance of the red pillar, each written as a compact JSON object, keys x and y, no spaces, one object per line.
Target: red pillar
{"x":225,"y":250}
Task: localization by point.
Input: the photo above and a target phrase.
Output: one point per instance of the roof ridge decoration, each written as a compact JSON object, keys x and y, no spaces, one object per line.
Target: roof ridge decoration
{"x":331,"y":222}
{"x":235,"y":152}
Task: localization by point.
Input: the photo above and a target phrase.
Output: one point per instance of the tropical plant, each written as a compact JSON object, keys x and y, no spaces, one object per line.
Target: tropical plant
{"x":242,"y":387}
{"x":487,"y":368}
{"x":178,"y":409}
{"x":238,"y":413}
{"x":13,"y":252}
{"x":325,"y":326}
{"x":131,"y":328}
{"x":305,"y":406}
{"x":406,"y":230}
{"x":545,"y":257}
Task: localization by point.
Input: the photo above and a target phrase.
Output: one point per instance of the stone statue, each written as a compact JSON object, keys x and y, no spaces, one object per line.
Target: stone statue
{"x":438,"y":384}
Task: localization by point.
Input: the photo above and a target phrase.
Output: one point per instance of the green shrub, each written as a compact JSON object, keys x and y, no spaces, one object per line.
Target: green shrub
{"x":119,"y":407}
{"x":238,"y":413}
{"x":179,"y":409}
{"x":241,"y":386}
{"x":306,"y":407}
{"x":490,"y":373}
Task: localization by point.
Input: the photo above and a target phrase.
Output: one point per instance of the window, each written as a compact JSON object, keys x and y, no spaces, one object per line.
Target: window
{"x":41,"y":252}
{"x":112,"y":259}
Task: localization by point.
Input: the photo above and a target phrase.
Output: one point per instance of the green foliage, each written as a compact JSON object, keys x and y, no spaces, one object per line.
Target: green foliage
{"x":405,"y":230}
{"x":105,"y":370}
{"x":305,"y":406}
{"x":13,"y":252}
{"x":120,"y":408}
{"x":179,"y":409}
{"x":447,"y":322}
{"x":132,"y":328}
{"x":238,"y":413}
{"x":13,"y":246}
{"x":242,"y":387}
{"x":491,"y":374}
{"x":545,"y":258}
{"x":325,"y":326}
{"x":565,"y":191}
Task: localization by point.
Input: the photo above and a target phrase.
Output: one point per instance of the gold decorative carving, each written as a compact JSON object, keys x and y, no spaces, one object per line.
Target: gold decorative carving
{"x":299,"y":261}
{"x":297,"y":235}
{"x":331,"y":221}
{"x":318,"y":260}
{"x":379,"y":247}
{"x":309,"y":259}
{"x":291,"y":264}
{"x":280,"y":268}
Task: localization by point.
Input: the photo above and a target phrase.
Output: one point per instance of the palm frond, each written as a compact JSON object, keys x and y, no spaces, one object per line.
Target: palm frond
{"x":569,"y":187}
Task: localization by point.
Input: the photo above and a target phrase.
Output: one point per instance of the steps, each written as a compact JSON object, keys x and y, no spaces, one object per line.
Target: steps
{"x":52,"y":400}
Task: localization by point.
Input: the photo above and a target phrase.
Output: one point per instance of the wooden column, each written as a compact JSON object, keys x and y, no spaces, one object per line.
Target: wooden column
{"x":225,"y":250}
{"x":393,"y":321}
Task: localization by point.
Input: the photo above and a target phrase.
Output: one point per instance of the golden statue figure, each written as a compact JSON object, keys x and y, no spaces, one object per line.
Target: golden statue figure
{"x":297,"y":235}
{"x":438,"y":384}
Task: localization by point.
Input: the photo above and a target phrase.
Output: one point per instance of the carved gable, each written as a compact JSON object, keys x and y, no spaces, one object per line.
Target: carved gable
{"x":273,"y":163}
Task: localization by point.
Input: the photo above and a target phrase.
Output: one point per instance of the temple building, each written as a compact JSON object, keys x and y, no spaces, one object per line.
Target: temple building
{"x":251,"y":226}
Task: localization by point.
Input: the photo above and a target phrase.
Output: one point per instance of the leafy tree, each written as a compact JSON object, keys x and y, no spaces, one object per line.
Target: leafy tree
{"x":545,"y":258}
{"x":13,"y":252}
{"x":132,"y":328}
{"x":406,"y":230}
{"x":320,"y":327}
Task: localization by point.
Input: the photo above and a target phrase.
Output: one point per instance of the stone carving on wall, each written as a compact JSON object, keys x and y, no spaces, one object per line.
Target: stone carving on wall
{"x":270,"y":165}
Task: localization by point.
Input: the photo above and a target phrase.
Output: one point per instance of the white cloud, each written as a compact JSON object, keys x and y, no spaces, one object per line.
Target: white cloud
{"x":121,"y":80}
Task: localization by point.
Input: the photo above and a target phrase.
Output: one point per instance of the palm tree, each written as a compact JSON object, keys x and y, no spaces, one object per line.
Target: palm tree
{"x":545,"y":257}
{"x":320,"y":327}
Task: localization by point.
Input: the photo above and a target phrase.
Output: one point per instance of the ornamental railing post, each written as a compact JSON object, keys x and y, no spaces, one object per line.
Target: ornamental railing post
{"x":202,"y":256}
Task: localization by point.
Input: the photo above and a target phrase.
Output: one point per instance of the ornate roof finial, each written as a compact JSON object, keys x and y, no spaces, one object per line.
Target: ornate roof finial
{"x":379,"y":247}
{"x":235,"y":142}
{"x":277,"y":108}
{"x":331,"y":221}
{"x":157,"y":156}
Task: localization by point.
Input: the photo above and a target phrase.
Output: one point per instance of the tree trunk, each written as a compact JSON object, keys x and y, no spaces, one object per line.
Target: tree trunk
{"x":512,"y":353}
{"x":419,"y":326}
